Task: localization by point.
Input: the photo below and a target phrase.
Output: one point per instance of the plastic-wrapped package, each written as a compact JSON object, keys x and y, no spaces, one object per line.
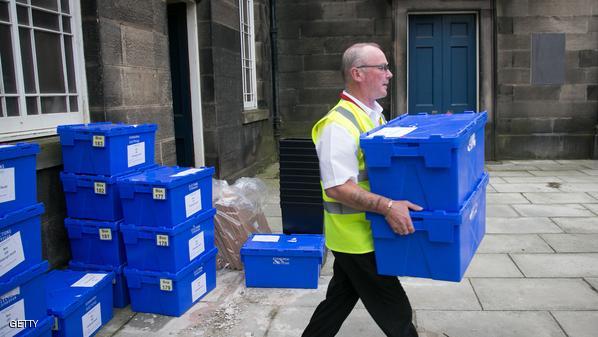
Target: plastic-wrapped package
{"x":238,"y":214}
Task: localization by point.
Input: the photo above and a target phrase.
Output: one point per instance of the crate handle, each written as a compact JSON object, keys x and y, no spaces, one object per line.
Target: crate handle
{"x":436,"y":232}
{"x":406,"y":151}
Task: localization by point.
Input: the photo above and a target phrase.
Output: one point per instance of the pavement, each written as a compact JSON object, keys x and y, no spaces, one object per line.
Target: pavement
{"x":534,"y":275}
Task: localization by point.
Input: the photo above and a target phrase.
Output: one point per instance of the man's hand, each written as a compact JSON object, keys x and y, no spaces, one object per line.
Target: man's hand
{"x":398,"y":216}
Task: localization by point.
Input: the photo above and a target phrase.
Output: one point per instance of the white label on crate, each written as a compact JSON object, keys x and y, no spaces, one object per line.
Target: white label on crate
{"x":99,"y":187}
{"x":92,"y":320}
{"x":165,"y":284}
{"x":98,"y":141}
{"x":186,"y":172}
{"x":281,"y":260}
{"x":105,"y":234}
{"x":159,"y":193}
{"x":162,"y":240}
{"x":198,"y":287}
{"x":7,"y":184}
{"x":89,"y":280}
{"x":393,"y":132}
{"x":11,"y":253}
{"x":196,"y":246}
{"x":12,"y":313}
{"x":136,"y":154}
{"x":265,"y":238}
{"x":15,"y":292}
{"x":471,"y":143}
{"x":193,"y":203}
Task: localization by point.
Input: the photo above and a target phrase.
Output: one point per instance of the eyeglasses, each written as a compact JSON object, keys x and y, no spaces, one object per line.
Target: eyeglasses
{"x":382,"y":67}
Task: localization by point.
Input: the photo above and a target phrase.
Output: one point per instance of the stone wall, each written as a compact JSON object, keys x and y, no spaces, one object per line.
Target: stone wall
{"x":546,"y":120}
{"x":312,"y":36}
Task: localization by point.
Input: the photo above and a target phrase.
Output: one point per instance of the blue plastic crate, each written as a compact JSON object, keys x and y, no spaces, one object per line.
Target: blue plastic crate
{"x":80,"y":302}
{"x":435,"y":166}
{"x":166,"y":196}
{"x":96,"y":242}
{"x":283,"y":261}
{"x":43,"y":328}
{"x":20,"y":240}
{"x":22,"y":297}
{"x":105,"y":148}
{"x":169,"y":249}
{"x":92,"y":196}
{"x":120,"y":292}
{"x":18,"y":186}
{"x":443,"y":243}
{"x":172,"y":293}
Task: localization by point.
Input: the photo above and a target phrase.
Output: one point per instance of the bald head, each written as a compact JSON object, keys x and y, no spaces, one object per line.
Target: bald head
{"x":354,"y":56}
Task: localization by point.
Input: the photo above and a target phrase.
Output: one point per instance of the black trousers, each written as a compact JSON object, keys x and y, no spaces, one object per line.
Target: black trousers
{"x":356,"y":277}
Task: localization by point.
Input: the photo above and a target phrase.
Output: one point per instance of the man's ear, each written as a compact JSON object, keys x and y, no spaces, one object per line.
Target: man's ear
{"x":356,"y":75}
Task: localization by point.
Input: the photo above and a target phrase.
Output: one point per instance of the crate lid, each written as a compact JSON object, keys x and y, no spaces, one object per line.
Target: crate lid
{"x":89,"y":267}
{"x":142,"y":231}
{"x":282,"y":244}
{"x":136,"y":276}
{"x":66,"y":290}
{"x":82,"y":179}
{"x":22,"y":277}
{"x":169,"y":176}
{"x":21,"y":214}
{"x":425,"y":127}
{"x":8,"y":151}
{"x":105,"y":128}
{"x":93,"y":224}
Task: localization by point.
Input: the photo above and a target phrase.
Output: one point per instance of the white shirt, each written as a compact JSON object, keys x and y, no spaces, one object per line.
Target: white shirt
{"x":337,"y":151}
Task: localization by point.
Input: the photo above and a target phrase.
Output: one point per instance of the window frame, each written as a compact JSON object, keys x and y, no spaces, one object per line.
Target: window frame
{"x":31,"y":126}
{"x":249,"y":94}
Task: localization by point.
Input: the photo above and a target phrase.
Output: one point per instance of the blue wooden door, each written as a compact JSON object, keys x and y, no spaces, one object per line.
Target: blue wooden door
{"x":442,"y":63}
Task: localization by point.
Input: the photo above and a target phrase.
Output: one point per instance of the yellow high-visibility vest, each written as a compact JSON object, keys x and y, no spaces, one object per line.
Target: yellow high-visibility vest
{"x":346,"y":229}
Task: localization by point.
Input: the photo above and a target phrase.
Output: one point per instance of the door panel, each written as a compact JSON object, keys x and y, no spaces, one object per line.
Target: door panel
{"x":442,"y":63}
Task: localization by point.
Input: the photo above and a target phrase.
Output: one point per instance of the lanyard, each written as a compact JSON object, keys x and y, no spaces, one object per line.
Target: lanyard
{"x":349,"y":99}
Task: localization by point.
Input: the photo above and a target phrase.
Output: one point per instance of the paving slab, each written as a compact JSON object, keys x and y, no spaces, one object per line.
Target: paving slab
{"x":531,"y":180}
{"x":284,"y":296}
{"x":510,"y":167}
{"x":561,"y":167}
{"x":291,"y":321}
{"x":558,"y":173}
{"x":494,"y":180}
{"x":530,"y":187}
{"x":505,"y":211}
{"x":591,"y":164}
{"x":490,"y":189}
{"x":559,"y":198}
{"x":523,"y":225}
{"x":578,"y":323}
{"x":557,"y":265}
{"x":510,"y":174}
{"x":490,"y":323}
{"x":513,"y":243}
{"x":593,"y":281}
{"x":591,"y":207}
{"x":535,"y":294}
{"x":553,"y":210}
{"x":440,"y":295}
{"x":492,"y":265}
{"x":536,"y":162}
{"x":572,"y":243}
{"x":579,"y":187}
{"x":120,"y":317}
{"x":580,"y":179}
{"x":578,"y":225}
{"x":592,"y":172}
{"x":493,"y":199}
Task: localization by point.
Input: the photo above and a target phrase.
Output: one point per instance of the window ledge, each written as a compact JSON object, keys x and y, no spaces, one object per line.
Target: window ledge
{"x":255,"y":115}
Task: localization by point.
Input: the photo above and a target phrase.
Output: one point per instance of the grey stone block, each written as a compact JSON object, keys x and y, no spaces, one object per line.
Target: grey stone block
{"x":168,"y":149}
{"x":493,"y":211}
{"x":135,"y":12}
{"x":112,"y":86}
{"x":519,"y":180}
{"x":492,"y":265}
{"x":226,"y":38}
{"x":553,"y":210}
{"x":161,"y":52}
{"x":505,"y":25}
{"x":337,"y":28}
{"x":91,"y":41}
{"x":524,"y":93}
{"x":572,"y":243}
{"x":301,"y":46}
{"x":579,"y":187}
{"x":543,"y":146}
{"x":573,"y":92}
{"x":289,"y":29}
{"x":505,"y":59}
{"x":588,"y":58}
{"x":521,"y":59}
{"x":321,"y":79}
{"x":138,"y":47}
{"x":319,"y":96}
{"x":226,"y":14}
{"x":296,"y":11}
{"x":505,"y":199}
{"x":520,"y":225}
{"x":578,"y":225}
{"x":514,"y":42}
{"x":593,"y":23}
{"x":535,"y":294}
{"x":490,"y":323}
{"x":207,"y":89}
{"x":520,"y":188}
{"x":337,"y":11}
{"x":323,"y":62}
{"x":582,"y":41}
{"x":524,"y":125}
{"x":592,"y":93}
{"x":384,"y":27}
{"x":338,"y":44}
{"x":511,"y":243}
{"x":140,"y":87}
{"x":111,"y":42}
{"x":558,"y":265}
{"x":290,"y":63}
{"x":558,"y":8}
{"x":374,"y":9}
{"x":430,"y":294}
{"x":514,"y":76}
{"x":512,"y":8}
{"x":227,"y":64}
{"x":580,"y":324}
{"x":558,"y":198}
{"x":558,"y":24}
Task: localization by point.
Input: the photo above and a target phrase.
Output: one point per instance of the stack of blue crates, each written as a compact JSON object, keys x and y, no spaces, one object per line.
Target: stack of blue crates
{"x":22,"y":270}
{"x":437,"y":162}
{"x":95,"y":156}
{"x":168,"y":232}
